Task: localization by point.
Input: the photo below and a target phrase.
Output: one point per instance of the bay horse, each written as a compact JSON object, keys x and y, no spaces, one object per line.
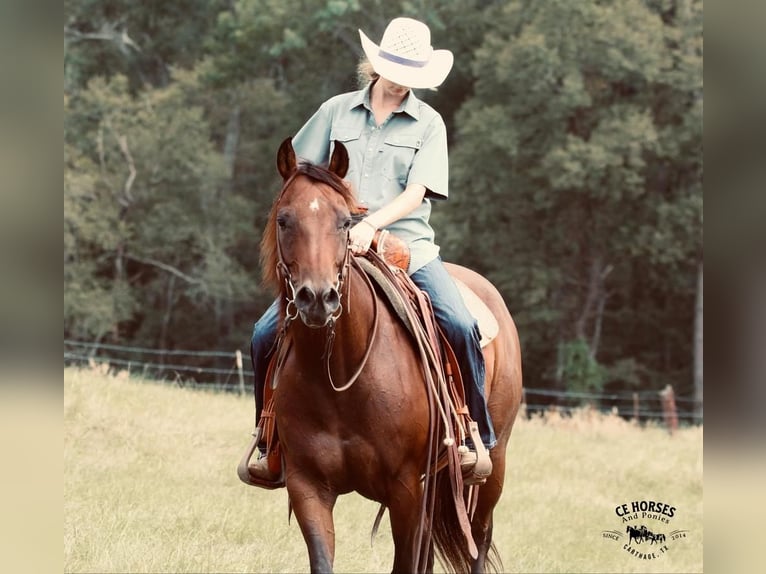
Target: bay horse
{"x":370,"y":438}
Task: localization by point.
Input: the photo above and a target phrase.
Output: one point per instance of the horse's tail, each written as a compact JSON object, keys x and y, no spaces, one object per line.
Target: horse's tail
{"x":493,"y":562}
{"x":449,"y":540}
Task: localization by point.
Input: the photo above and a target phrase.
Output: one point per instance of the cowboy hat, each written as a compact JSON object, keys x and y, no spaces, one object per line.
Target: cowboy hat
{"x":405,"y":55}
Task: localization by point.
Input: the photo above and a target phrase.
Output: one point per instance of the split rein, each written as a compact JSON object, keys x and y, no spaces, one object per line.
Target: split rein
{"x":291,"y":313}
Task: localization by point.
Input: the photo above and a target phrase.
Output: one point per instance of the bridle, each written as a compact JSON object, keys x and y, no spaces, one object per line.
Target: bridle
{"x":283,"y":272}
{"x":291,"y":310}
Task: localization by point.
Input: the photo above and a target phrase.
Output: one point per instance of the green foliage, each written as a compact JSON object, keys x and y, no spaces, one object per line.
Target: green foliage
{"x":579,"y":370}
{"x":144,"y":208}
{"x":139,"y":40}
{"x":577,"y":166}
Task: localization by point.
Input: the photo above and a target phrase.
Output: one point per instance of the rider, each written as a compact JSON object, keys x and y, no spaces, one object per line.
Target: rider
{"x":397,"y":148}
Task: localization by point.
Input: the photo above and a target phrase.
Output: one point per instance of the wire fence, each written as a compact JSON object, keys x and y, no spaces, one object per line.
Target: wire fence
{"x":211,"y":370}
{"x":227,"y":371}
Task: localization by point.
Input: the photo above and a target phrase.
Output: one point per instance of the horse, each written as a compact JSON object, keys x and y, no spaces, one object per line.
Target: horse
{"x":371,"y":438}
{"x":655,"y":537}
{"x":634,"y":533}
{"x":647,"y":534}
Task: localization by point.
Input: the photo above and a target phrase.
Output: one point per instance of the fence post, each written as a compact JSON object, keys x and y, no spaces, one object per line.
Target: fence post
{"x":635,"y":408}
{"x":238,"y":355}
{"x":669,"y":412}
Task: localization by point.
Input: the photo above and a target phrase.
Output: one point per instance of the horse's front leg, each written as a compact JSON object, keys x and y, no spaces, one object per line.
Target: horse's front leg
{"x":313,"y":507}
{"x":404,"y":509}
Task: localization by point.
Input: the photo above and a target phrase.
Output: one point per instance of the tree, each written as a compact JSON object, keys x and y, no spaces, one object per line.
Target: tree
{"x":147,"y":232}
{"x":582,"y":201}
{"x":140,"y":40}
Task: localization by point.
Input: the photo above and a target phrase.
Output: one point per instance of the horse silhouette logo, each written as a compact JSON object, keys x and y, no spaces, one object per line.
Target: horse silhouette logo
{"x":646,"y":532}
{"x":643,"y":534}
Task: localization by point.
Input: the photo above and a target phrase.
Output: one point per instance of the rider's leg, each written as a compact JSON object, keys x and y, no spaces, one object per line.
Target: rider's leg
{"x":462,"y":332}
{"x":261,"y":350}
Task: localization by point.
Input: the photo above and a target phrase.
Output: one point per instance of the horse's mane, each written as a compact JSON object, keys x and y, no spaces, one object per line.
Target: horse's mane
{"x":316,"y":173}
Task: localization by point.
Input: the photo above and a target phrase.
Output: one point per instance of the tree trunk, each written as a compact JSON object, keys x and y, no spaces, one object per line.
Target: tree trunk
{"x":596,"y":339}
{"x":169,"y":304}
{"x":590,"y":298}
{"x":231,"y":144}
{"x":593,"y":308}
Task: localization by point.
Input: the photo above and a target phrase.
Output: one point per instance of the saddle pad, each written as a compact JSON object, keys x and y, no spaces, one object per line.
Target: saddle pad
{"x":488,"y":325}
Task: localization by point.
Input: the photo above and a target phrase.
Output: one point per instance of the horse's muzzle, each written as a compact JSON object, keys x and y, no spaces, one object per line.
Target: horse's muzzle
{"x":317,"y":308}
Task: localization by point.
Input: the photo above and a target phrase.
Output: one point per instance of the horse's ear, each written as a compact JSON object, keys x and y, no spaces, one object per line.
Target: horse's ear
{"x":286,"y":159}
{"x":339,"y":160}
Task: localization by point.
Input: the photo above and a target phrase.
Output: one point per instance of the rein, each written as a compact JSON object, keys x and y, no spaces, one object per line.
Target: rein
{"x":370,"y":339}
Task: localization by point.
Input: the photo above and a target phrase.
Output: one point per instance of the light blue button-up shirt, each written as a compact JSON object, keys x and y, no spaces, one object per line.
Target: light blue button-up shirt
{"x":410,"y":147}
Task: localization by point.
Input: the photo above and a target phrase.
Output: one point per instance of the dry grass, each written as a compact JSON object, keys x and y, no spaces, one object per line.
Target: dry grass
{"x":150,"y":486}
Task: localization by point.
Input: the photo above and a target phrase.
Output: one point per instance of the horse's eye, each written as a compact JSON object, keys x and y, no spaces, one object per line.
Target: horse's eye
{"x":281,"y":222}
{"x":346,"y":224}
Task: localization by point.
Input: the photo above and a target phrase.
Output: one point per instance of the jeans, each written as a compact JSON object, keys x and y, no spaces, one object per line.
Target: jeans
{"x":451,"y":314}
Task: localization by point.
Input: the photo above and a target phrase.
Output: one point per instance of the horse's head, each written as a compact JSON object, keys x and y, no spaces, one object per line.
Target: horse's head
{"x":304,"y":251}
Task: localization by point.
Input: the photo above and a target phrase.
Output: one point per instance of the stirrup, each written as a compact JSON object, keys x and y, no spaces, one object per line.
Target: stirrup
{"x":259,"y":473}
{"x":476,"y":466}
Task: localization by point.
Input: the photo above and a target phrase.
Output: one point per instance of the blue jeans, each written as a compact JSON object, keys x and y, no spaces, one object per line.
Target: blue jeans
{"x":451,"y":314}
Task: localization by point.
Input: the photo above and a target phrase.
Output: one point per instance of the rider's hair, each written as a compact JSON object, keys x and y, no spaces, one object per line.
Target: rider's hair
{"x":365,"y":73}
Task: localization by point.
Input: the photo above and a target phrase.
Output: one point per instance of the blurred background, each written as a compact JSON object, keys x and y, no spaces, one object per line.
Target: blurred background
{"x":575,"y":177}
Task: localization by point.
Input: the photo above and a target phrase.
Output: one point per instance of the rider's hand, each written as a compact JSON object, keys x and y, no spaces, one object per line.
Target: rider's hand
{"x":360,"y":237}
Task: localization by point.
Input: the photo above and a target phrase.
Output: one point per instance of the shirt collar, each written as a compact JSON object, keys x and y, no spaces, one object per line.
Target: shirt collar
{"x":410,"y":105}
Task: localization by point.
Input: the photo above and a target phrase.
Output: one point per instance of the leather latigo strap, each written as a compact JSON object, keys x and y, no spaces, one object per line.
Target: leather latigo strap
{"x":391,"y":249}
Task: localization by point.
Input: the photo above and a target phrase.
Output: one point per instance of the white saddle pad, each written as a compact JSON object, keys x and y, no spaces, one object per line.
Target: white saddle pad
{"x":487,"y":323}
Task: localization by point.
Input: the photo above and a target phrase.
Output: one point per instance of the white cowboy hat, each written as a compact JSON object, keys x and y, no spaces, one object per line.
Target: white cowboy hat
{"x":405,"y":55}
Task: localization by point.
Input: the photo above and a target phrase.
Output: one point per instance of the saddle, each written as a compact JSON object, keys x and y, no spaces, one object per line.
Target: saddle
{"x":386,"y":264}
{"x":396,"y":254}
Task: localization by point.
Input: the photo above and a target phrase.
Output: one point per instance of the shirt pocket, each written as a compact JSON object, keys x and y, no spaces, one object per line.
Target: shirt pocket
{"x":400,"y":150}
{"x":346,"y":135}
{"x":349,"y":136}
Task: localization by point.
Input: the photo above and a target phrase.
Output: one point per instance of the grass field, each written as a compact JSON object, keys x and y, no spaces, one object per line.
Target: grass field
{"x":150,"y":486}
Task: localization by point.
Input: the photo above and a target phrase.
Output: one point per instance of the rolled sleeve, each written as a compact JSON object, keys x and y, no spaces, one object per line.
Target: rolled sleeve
{"x":430,"y":166}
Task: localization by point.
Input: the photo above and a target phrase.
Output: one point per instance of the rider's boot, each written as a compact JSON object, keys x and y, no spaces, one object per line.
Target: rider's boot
{"x":476,"y":465}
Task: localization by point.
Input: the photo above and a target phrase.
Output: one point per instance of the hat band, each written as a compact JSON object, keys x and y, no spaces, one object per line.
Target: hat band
{"x":400,"y":60}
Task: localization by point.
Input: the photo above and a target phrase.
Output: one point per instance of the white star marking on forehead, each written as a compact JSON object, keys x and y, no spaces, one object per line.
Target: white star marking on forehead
{"x":314,"y":205}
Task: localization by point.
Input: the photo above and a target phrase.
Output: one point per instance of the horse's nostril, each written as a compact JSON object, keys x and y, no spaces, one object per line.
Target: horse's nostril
{"x":304,"y":297}
{"x":331,"y":298}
